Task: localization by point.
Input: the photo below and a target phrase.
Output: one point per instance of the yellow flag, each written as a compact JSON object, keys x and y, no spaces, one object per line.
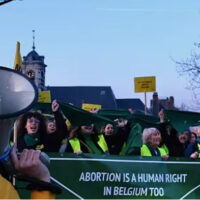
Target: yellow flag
{"x":18,"y":59}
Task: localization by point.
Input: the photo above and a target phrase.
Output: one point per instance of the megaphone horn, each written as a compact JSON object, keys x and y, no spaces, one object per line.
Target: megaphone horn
{"x":17,"y":93}
{"x":17,"y":96}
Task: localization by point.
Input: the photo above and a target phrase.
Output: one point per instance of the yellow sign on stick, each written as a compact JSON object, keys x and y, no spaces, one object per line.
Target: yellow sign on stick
{"x":145,"y":84}
{"x":44,"y":97}
{"x":89,"y":107}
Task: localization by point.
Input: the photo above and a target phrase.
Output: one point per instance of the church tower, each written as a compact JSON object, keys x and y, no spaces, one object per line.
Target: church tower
{"x":33,"y":66}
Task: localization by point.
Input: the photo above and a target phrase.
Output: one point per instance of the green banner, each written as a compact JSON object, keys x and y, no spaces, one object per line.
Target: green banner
{"x":92,"y":176}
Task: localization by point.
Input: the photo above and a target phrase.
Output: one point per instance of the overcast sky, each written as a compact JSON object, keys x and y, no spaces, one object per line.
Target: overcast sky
{"x":105,"y":42}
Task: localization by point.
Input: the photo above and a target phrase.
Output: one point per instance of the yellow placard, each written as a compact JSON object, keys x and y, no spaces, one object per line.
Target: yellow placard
{"x":89,"y":107}
{"x":44,"y":97}
{"x":145,"y":84}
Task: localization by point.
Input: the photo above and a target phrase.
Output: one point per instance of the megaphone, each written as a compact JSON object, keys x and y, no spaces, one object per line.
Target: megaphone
{"x":17,"y":95}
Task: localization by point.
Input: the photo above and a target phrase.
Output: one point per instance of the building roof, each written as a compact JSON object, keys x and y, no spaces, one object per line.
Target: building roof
{"x":33,"y":56}
{"x":76,"y":95}
{"x":135,"y":104}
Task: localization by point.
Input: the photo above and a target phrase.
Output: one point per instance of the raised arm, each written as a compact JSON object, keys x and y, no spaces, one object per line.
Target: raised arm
{"x":61,"y":126}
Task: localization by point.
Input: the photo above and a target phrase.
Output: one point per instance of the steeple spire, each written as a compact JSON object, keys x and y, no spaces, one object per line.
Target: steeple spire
{"x":33,"y":39}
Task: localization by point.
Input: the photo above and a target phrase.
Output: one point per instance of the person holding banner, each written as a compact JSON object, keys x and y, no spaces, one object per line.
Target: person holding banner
{"x":193,"y":149}
{"x":56,"y":129}
{"x":86,"y":139}
{"x":174,"y":143}
{"x":31,"y":131}
{"x":116,"y":139}
{"x":151,"y":141}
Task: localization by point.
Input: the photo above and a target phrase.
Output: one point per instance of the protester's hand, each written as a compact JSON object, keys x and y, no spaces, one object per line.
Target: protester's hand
{"x":165,"y":157}
{"x":94,"y":110}
{"x":194,"y":155}
{"x":78,"y":152}
{"x":161,"y":116}
{"x":131,"y":111}
{"x":29,"y":164}
{"x":54,"y":106}
{"x":120,"y":123}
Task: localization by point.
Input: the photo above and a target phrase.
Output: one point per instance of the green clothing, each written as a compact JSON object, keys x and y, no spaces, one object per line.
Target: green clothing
{"x":91,"y":144}
{"x":31,"y":139}
{"x":76,"y":144}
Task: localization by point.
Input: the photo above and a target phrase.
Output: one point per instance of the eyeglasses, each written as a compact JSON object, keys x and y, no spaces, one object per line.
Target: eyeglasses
{"x":33,"y":120}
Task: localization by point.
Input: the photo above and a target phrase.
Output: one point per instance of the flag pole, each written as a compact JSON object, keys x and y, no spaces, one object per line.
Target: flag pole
{"x":145,"y":102}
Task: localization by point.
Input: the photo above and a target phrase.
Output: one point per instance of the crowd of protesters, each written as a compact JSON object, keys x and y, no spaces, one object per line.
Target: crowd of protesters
{"x":53,"y":134}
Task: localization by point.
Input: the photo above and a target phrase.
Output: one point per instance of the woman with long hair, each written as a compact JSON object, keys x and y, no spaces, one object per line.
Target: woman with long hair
{"x":31,"y":131}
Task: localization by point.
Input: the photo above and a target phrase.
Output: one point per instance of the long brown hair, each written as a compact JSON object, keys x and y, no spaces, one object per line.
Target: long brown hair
{"x":21,"y":125}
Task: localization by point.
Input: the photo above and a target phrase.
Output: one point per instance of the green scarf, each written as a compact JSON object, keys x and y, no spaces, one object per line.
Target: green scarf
{"x":90,"y":143}
{"x":31,"y":139}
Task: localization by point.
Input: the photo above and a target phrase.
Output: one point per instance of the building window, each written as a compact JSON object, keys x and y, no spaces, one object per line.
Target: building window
{"x":31,"y":74}
{"x":103,"y":92}
{"x":42,"y":74}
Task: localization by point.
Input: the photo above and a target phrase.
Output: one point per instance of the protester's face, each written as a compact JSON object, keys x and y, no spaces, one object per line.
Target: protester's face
{"x":182,"y":138}
{"x":109,"y":129}
{"x":32,"y":125}
{"x":193,"y":138}
{"x":87,"y":129}
{"x":154,"y":139}
{"x":51,"y":127}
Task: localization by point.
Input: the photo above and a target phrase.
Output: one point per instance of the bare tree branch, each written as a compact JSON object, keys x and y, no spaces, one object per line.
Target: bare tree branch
{"x":190,"y":68}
